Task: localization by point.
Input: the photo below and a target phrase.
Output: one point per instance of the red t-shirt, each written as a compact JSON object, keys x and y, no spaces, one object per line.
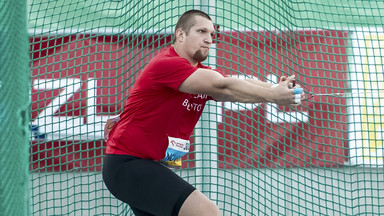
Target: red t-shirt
{"x":156,"y":114}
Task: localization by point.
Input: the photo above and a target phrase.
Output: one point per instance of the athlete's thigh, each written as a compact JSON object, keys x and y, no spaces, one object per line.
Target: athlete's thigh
{"x":148,"y":186}
{"x":197,"y":204}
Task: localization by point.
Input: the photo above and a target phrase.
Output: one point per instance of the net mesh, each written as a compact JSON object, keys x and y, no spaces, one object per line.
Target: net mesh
{"x":14,"y":108}
{"x":324,"y":157}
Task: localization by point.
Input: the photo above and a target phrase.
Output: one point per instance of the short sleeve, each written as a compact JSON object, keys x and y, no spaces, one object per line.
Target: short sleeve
{"x":171,"y":71}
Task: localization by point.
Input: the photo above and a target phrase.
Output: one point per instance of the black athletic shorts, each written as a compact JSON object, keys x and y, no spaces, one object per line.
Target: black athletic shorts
{"x":147,"y":186}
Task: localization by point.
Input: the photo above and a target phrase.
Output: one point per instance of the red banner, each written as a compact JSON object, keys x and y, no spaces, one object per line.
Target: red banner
{"x":79,"y":80}
{"x":316,"y":135}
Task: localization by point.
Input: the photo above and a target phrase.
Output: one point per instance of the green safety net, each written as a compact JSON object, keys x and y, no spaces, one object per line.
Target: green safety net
{"x":324,"y":157}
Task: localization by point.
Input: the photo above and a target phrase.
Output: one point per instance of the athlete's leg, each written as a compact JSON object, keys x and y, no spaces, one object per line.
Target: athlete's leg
{"x":147,"y":186}
{"x":197,"y":204}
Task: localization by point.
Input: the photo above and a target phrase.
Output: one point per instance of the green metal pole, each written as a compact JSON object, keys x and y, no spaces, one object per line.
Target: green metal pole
{"x":14,"y":108}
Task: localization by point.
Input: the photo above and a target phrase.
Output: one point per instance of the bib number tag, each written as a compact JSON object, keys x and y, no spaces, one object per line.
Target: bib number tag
{"x":177,"y":148}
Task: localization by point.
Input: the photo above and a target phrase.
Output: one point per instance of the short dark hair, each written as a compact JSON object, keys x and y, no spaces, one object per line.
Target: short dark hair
{"x":187,"y":20}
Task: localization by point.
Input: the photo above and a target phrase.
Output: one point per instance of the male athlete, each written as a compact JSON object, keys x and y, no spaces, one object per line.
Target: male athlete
{"x":161,"y":112}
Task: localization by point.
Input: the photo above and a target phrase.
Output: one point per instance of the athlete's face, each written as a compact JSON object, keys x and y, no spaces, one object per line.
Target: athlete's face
{"x":199,"y":39}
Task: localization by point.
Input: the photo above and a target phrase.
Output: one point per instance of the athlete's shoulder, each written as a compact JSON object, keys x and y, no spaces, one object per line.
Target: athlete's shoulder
{"x":169,"y":58}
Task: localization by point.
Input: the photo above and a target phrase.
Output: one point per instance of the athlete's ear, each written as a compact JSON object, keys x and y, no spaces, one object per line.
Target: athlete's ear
{"x":180,"y":35}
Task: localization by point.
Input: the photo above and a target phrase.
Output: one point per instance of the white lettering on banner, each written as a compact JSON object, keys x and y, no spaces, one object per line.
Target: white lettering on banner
{"x":272,"y":110}
{"x":68,"y":127}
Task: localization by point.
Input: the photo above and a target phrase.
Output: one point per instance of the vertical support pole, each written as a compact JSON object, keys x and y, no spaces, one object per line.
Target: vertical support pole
{"x":14,"y":109}
{"x":206,"y":131}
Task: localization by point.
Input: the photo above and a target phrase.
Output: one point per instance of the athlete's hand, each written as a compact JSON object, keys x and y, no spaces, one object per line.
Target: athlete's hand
{"x":299,"y":96}
{"x":286,"y":93}
{"x":109,"y":125}
{"x":291,"y":84}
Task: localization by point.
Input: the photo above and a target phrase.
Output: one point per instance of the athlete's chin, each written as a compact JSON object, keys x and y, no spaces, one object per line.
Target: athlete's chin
{"x":200,"y":57}
{"x":205,"y":57}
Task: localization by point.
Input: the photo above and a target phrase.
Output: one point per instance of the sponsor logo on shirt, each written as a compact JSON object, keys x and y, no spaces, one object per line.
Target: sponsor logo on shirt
{"x":195,"y":105}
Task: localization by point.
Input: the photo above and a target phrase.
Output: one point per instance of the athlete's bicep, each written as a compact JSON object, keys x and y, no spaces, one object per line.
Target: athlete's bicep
{"x":203,"y":81}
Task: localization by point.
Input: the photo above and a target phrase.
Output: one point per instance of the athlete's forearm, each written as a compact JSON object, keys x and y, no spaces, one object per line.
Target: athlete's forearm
{"x":212,"y":83}
{"x":259,"y":83}
{"x":246,"y":91}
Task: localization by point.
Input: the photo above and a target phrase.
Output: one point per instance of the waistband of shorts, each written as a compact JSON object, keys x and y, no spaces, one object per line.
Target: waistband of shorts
{"x":122,"y":157}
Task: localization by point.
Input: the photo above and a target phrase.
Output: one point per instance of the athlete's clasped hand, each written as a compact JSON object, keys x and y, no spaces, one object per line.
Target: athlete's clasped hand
{"x":287,"y":93}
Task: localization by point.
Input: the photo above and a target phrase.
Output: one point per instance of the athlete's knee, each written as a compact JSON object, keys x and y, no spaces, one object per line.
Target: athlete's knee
{"x":198,"y":204}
